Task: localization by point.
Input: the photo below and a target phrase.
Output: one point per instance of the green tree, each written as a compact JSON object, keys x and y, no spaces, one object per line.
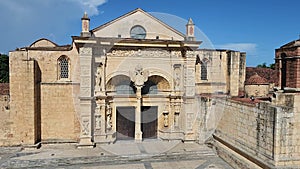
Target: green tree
{"x":272,"y":66}
{"x":4,"y":68}
{"x":263,"y":65}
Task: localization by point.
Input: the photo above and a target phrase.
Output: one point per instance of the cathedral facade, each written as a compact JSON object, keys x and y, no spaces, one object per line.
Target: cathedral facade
{"x":132,"y":78}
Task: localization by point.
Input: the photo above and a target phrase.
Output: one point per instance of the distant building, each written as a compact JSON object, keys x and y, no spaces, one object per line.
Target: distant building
{"x":260,"y":82}
{"x":288,"y":65}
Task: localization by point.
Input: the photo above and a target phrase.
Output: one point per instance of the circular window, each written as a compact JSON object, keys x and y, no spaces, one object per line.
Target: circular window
{"x":138,"y":32}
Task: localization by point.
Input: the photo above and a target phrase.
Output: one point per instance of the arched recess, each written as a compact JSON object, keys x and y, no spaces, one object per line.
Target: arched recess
{"x":283,"y":70}
{"x":204,"y":69}
{"x":156,"y":84}
{"x":121,"y":84}
{"x":63,"y":67}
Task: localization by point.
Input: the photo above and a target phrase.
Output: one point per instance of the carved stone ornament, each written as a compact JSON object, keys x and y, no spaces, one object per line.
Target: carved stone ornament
{"x":108,"y":117}
{"x":98,"y":117}
{"x":98,"y":79}
{"x":85,"y":51}
{"x":166,"y":118}
{"x":139,"y":76}
{"x":85,"y":127}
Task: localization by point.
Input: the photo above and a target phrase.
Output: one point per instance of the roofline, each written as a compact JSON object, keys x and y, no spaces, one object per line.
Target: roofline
{"x":43,"y":39}
{"x":132,"y":12}
{"x":129,"y":42}
{"x":287,"y":45}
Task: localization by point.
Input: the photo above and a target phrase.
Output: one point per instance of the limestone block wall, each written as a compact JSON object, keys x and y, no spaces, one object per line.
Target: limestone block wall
{"x":257,"y":90}
{"x":24,"y":77}
{"x":216,"y":71}
{"x":242,"y":72}
{"x":60,"y":122}
{"x":5,"y":121}
{"x":226,"y":71}
{"x":233,"y":63}
{"x":252,"y":135}
{"x":43,"y":106}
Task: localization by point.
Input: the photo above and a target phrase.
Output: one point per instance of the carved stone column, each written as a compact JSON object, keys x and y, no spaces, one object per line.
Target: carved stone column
{"x":86,"y":96}
{"x":138,"y":132}
{"x":139,"y":77}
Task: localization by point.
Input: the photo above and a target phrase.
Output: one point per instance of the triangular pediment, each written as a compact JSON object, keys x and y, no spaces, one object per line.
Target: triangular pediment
{"x":295,"y":43}
{"x":122,"y":26}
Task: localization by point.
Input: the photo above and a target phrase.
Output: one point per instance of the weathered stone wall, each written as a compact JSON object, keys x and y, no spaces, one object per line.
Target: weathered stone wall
{"x":257,"y":90}
{"x":5,"y":121}
{"x":43,"y":106}
{"x":59,"y":120}
{"x":226,"y":71}
{"x":23,"y":108}
{"x":260,"y":133}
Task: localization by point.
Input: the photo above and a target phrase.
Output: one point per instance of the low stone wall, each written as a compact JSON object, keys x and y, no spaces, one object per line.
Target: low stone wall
{"x":251,"y":135}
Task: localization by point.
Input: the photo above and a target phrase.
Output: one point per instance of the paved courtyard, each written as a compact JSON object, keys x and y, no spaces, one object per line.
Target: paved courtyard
{"x":124,"y":154}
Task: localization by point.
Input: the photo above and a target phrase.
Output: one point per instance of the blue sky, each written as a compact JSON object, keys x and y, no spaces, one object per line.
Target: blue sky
{"x":256,"y":27}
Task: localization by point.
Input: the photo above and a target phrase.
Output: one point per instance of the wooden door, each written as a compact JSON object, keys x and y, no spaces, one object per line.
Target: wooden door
{"x":125,"y":123}
{"x":149,"y":122}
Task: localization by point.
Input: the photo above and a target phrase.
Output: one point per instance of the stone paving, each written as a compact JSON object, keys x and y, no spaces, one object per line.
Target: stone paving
{"x":124,"y":154}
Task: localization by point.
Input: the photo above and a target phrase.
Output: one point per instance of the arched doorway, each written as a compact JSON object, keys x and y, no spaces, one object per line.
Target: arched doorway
{"x":123,"y":94}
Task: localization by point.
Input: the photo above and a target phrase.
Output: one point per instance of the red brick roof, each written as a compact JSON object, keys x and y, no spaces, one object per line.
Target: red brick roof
{"x":269,"y":74}
{"x":256,"y":80}
{"x":4,"y":88}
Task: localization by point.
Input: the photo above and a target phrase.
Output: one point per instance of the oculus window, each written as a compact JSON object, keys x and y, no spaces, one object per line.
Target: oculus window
{"x":138,"y":32}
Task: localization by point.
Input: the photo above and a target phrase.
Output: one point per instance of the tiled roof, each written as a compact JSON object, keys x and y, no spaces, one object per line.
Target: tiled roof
{"x":256,"y":79}
{"x":269,"y":74}
{"x":4,"y":88}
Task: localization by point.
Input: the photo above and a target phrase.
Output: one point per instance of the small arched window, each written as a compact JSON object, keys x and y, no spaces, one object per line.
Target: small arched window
{"x":63,"y":67}
{"x":204,"y":69}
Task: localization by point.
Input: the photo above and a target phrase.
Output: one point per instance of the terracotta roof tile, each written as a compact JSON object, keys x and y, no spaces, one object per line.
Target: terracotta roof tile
{"x":269,"y":74}
{"x":256,"y":79}
{"x":4,"y":88}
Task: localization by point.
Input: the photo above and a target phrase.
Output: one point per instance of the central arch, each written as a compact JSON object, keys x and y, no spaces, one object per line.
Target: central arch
{"x":124,"y":103}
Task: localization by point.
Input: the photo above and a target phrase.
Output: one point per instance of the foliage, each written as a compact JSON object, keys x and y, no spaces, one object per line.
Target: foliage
{"x":4,"y":68}
{"x":264,"y":65}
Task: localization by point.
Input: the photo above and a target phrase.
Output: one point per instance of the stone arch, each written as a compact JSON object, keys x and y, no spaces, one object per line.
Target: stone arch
{"x":167,"y":76}
{"x":161,"y":83}
{"x":121,"y":84}
{"x":63,"y":67}
{"x":204,"y":69}
{"x":156,"y":77}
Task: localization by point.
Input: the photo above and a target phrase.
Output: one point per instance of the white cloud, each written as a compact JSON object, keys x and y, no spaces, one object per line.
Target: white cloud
{"x":23,"y":22}
{"x":243,"y":47}
{"x":91,"y":6}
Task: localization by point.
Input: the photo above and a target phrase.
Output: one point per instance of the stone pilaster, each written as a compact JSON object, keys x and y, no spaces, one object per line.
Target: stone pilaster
{"x":234,"y":73}
{"x":86,"y":96}
{"x":189,"y":97}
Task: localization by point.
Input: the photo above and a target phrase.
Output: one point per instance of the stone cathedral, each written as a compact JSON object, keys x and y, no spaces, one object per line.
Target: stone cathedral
{"x":133,"y":78}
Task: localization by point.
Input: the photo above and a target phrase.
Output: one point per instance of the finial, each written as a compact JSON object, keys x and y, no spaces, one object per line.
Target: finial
{"x":190,"y":22}
{"x":85,"y":15}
